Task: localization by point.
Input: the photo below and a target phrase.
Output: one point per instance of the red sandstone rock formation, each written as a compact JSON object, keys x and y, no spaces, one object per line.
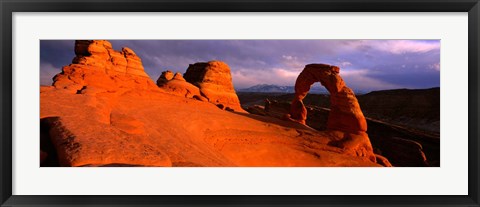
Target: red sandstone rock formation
{"x":345,"y":118}
{"x":164,"y":77}
{"x":215,"y":83}
{"x":178,"y":76}
{"x":97,"y":65}
{"x":177,"y":85}
{"x":345,"y":114}
{"x":317,"y":119}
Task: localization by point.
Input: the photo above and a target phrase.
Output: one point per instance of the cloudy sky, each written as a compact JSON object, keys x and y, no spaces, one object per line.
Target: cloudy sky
{"x":365,"y":64}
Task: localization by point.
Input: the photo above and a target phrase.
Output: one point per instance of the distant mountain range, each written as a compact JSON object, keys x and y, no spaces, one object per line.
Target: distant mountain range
{"x":269,"y":88}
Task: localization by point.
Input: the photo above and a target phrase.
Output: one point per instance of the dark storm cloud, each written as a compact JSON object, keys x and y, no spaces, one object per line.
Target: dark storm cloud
{"x":365,"y":64}
{"x":57,"y":52}
{"x":54,"y":54}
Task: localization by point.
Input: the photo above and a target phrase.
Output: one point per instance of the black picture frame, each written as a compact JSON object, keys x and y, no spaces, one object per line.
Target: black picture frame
{"x":7,"y":8}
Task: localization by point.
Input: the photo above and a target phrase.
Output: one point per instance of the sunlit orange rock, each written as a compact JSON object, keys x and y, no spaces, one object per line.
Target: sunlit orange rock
{"x":164,"y":77}
{"x":96,"y":64}
{"x":176,"y":84}
{"x":215,"y":83}
{"x":134,"y":63}
{"x":345,"y":117}
{"x":178,"y":76}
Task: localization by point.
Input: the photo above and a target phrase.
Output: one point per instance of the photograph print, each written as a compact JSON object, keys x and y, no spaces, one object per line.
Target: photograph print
{"x":239,"y":103}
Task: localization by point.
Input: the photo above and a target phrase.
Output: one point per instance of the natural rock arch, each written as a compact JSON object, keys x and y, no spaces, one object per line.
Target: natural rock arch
{"x":345,"y":113}
{"x":345,"y":120}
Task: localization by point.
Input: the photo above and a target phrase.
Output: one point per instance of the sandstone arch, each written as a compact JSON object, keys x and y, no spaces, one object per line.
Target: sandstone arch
{"x":346,"y":122}
{"x":345,"y":113}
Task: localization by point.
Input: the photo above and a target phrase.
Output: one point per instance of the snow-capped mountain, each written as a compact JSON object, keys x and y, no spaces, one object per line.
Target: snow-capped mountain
{"x":269,"y":88}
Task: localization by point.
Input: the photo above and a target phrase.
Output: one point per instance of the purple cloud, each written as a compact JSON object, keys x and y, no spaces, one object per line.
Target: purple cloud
{"x":365,"y":64}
